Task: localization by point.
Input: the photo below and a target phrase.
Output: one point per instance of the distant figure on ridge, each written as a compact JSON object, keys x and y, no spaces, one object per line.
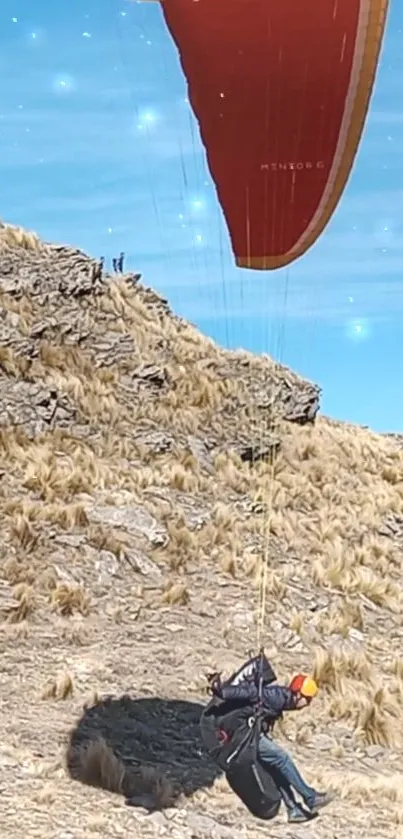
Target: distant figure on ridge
{"x":120,"y":262}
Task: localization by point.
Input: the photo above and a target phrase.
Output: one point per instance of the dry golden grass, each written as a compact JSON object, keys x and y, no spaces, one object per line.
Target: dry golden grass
{"x":175,"y":594}
{"x":359,"y":694}
{"x":12,"y":236}
{"x":70,"y":599}
{"x":59,"y":689}
{"x":170,"y":445}
{"x":22,"y":606}
{"x":339,"y":619}
{"x":333,"y":665}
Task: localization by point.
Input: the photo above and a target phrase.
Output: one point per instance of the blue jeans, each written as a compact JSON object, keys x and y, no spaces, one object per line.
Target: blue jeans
{"x":285,"y":773}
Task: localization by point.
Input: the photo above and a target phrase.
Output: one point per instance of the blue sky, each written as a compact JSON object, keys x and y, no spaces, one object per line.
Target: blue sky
{"x":99,"y":148}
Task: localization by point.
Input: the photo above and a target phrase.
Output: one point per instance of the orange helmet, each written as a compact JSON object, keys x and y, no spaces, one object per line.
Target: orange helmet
{"x":304,"y":685}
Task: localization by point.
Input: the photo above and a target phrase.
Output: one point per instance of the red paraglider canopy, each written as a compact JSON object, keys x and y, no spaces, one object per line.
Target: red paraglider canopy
{"x":280,"y":89}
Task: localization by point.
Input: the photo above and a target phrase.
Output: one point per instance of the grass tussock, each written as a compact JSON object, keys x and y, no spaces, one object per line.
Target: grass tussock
{"x":340,"y":618}
{"x":69,"y":600}
{"x":175,"y":594}
{"x":12,"y":236}
{"x":357,"y":788}
{"x":358,"y":571}
{"x":333,"y":665}
{"x":356,"y":695}
{"x":22,"y":606}
{"x":26,"y":516}
{"x":59,"y":689}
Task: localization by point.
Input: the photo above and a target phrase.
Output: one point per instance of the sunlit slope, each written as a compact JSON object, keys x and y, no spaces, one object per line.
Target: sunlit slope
{"x":137,"y":461}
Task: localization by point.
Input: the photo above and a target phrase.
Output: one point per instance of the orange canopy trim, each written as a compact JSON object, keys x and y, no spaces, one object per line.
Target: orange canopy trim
{"x":281,"y":91}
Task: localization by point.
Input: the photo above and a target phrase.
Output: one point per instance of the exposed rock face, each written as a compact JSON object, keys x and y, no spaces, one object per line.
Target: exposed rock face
{"x":34,"y":408}
{"x":55,"y":290}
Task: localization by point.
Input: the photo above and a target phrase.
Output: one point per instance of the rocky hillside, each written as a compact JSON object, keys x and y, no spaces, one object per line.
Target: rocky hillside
{"x":144,"y":473}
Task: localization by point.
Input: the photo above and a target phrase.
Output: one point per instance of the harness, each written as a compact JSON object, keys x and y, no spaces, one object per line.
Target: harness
{"x":230,"y":732}
{"x":230,"y":728}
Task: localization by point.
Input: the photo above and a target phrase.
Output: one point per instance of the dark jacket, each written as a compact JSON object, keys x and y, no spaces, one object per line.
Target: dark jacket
{"x":276,"y":698}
